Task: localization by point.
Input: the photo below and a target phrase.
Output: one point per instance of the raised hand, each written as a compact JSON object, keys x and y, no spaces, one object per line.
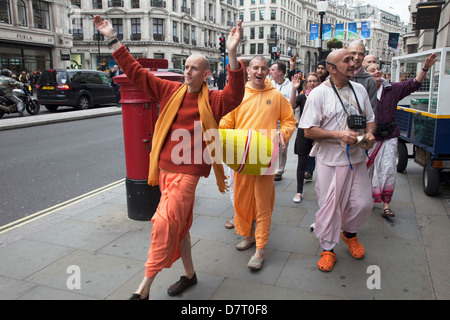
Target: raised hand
{"x":296,"y":80}
{"x":430,"y":61}
{"x":234,"y":37}
{"x":104,"y":27}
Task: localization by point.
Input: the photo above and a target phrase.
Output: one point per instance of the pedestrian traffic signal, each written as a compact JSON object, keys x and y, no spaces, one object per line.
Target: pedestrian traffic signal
{"x":277,"y":55}
{"x":222,"y":45}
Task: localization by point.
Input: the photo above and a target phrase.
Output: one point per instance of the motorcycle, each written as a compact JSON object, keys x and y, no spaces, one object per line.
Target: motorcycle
{"x":24,"y":94}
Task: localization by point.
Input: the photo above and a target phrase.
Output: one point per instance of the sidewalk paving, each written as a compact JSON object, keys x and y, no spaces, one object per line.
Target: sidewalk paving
{"x":59,"y":116}
{"x":93,"y":237}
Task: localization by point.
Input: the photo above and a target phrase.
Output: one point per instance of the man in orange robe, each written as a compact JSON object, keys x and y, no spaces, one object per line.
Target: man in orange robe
{"x":254,"y":195}
{"x":182,"y":107}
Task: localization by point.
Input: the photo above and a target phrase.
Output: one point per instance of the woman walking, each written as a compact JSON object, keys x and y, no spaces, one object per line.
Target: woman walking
{"x":302,"y":145}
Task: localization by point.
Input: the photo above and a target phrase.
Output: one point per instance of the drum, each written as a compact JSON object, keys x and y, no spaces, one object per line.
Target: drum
{"x":248,"y":151}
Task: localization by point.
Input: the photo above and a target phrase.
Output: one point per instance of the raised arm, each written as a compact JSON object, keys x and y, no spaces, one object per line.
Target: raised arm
{"x":105,"y":28}
{"x":232,"y":42}
{"x":427,"y":65}
{"x":295,"y":85}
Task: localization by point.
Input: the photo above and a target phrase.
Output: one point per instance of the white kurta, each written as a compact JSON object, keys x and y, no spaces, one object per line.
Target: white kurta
{"x":323,"y":109}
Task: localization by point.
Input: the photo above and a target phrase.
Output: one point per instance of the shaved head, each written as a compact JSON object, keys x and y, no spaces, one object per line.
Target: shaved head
{"x":201,"y":60}
{"x":358,"y":50}
{"x":336,"y":56}
{"x":340,"y":64}
{"x":356,"y":44}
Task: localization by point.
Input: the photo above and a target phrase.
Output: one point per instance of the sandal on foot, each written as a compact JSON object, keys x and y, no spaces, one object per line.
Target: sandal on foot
{"x":137,"y":296}
{"x":255,"y":263}
{"x":355,"y":247}
{"x":245,"y":244}
{"x":229,"y":224}
{"x":327,"y":261}
{"x":388,"y":213}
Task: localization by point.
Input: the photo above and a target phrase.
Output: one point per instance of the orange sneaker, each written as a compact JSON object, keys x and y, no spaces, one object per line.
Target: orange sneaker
{"x":355,"y":247}
{"x":327,"y":261}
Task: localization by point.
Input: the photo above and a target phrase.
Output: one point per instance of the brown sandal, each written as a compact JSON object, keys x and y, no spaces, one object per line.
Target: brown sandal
{"x":388,"y":213}
{"x":327,"y":261}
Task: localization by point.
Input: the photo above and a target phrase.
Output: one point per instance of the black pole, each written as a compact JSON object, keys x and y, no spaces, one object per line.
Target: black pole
{"x":98,"y":43}
{"x":320,"y":34}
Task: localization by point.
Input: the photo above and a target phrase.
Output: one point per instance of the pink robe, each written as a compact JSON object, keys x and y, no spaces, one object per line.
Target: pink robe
{"x":344,"y":199}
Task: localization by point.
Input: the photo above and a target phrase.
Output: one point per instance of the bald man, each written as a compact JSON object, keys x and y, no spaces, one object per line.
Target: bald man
{"x":368,"y":60}
{"x":183,"y":107}
{"x":360,"y":75}
{"x":343,"y":186}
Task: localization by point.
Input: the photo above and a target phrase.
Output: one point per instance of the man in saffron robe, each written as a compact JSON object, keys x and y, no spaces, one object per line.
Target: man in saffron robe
{"x":254,"y":195}
{"x":182,"y":107}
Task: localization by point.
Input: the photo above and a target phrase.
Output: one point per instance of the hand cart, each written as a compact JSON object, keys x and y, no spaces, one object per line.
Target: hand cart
{"x":424,"y":117}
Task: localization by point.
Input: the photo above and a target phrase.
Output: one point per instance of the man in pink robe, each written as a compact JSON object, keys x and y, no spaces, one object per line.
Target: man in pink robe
{"x":343,"y":186}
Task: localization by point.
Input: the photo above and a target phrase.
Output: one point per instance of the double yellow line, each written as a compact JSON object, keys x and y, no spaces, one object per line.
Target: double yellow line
{"x":65,"y":204}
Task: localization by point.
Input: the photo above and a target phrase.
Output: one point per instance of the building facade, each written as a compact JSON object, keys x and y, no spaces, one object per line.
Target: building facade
{"x":381,"y":24}
{"x":171,"y":30}
{"x":34,"y":35}
{"x":416,"y":40}
{"x":44,"y":34}
{"x":285,"y":25}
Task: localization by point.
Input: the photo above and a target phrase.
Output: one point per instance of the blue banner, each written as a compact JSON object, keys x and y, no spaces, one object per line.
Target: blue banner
{"x":314,"y":31}
{"x":365,"y":29}
{"x":393,"y":40}
{"x":352,"y":31}
{"x":326,"y":32}
{"x":339,"y":32}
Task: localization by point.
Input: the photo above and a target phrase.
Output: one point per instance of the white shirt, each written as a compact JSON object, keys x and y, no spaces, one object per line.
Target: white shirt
{"x":285,"y":88}
{"x":323,"y":109}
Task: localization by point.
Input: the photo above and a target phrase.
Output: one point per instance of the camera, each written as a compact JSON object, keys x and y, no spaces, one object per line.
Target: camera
{"x":356,"y":122}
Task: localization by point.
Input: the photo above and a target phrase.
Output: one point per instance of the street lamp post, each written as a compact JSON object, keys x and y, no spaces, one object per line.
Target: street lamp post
{"x":322,"y":7}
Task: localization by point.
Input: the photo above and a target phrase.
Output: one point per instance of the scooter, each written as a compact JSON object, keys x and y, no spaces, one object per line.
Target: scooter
{"x":30,"y":104}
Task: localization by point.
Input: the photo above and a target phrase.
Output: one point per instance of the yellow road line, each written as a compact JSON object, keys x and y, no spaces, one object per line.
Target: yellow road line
{"x":65,"y":204}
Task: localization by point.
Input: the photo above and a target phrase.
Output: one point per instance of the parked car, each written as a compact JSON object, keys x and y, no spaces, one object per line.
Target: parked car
{"x":75,"y":87}
{"x":172,"y":70}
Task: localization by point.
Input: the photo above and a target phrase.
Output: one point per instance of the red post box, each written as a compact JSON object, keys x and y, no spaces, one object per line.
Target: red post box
{"x":139,"y":115}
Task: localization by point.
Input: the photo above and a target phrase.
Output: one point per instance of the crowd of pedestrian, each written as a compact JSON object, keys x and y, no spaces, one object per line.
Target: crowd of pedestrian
{"x":344,"y":113}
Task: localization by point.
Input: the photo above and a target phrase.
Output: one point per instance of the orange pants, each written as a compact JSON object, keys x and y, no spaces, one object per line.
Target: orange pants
{"x":171,"y":221}
{"x":254,"y":198}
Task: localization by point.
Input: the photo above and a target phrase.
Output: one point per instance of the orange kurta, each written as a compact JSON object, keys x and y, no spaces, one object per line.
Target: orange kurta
{"x":254,"y":196}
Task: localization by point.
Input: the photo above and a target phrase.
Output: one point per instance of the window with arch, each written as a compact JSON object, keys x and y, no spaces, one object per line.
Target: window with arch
{"x":22,"y":13}
{"x":41,"y":13}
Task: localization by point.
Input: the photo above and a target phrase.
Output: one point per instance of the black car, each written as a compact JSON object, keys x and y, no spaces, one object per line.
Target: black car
{"x":75,"y":87}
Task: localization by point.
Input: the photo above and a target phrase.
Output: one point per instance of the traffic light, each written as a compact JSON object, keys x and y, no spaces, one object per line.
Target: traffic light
{"x":277,"y":55}
{"x":222,"y":45}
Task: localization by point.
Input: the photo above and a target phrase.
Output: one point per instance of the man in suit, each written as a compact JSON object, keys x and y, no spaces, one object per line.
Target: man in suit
{"x":115,"y":72}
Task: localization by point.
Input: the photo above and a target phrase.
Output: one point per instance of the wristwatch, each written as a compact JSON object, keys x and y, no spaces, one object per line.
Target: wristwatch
{"x":115,"y":40}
